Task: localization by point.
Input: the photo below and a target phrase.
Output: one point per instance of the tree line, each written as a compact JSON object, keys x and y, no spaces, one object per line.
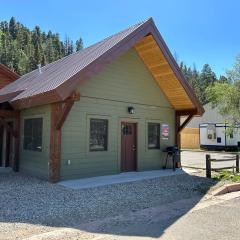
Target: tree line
{"x":22,"y":49}
{"x":201,"y":80}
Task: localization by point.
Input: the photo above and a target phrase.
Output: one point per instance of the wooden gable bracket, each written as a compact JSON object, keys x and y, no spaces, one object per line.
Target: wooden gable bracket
{"x":186,"y":121}
{"x":66,"y":109}
{"x":179,"y":126}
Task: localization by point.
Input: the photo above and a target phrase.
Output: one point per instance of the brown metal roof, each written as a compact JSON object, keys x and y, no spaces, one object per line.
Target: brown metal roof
{"x":11,"y":74}
{"x":59,"y":79}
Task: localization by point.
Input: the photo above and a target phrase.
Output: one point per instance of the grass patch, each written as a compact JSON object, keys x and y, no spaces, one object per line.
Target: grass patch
{"x":227,"y":176}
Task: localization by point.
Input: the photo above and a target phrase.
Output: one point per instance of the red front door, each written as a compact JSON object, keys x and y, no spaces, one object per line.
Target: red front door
{"x":129,"y":147}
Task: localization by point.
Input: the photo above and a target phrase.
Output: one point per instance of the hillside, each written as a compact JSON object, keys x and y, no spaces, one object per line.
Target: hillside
{"x":22,"y":49}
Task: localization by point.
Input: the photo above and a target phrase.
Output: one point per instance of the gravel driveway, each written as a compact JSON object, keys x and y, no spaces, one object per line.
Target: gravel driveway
{"x":29,"y":206}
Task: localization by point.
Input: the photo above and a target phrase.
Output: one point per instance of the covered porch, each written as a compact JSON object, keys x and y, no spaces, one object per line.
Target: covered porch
{"x":9,"y":138}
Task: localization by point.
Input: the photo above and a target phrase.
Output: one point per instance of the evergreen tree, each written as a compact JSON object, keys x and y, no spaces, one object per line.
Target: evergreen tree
{"x":68,"y":46}
{"x":22,"y":49}
{"x":79,"y":44}
{"x":13,"y":27}
{"x":207,"y":78}
{"x":200,"y":81}
{"x":223,"y":79}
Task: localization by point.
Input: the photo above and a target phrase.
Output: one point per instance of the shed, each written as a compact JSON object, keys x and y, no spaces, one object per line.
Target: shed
{"x":109,"y":108}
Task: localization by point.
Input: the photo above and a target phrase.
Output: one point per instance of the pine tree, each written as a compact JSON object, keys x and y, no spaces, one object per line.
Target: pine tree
{"x":13,"y":27}
{"x":79,"y":44}
{"x":223,"y":79}
{"x":207,"y":78}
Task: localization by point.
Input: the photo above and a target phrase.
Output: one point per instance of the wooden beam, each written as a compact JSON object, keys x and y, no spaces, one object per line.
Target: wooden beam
{"x":9,"y":113}
{"x":55,"y":144}
{"x":186,"y":112}
{"x":186,"y":121}
{"x":177,"y":133}
{"x":66,"y":109}
{"x":16,"y":143}
{"x":58,"y":116}
{"x":8,"y":128}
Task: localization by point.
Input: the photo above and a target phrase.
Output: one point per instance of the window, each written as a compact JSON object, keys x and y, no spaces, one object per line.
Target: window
{"x":33,"y":134}
{"x":98,"y":135}
{"x":127,"y":130}
{"x":231,"y":135}
{"x":153,"y":136}
{"x":211,"y":131}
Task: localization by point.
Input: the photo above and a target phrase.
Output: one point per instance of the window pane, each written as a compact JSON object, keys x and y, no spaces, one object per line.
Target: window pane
{"x":33,"y":134}
{"x":153,"y":135}
{"x":98,"y":134}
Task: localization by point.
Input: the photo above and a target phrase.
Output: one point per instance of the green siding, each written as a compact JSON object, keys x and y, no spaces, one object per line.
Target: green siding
{"x":123,"y":83}
{"x":32,"y":162}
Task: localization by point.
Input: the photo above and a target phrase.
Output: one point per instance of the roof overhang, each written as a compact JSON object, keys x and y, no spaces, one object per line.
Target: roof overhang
{"x":12,"y":75}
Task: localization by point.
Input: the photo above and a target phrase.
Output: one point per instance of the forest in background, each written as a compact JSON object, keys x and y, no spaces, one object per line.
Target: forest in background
{"x":22,"y":49}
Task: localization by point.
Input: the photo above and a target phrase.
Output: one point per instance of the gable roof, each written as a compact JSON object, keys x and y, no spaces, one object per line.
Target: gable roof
{"x":58,"y":80}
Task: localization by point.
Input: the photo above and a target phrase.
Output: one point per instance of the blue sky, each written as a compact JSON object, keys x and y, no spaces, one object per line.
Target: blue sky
{"x":204,"y":31}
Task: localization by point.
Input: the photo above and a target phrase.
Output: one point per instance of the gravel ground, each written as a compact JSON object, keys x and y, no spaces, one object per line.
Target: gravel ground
{"x":29,"y":206}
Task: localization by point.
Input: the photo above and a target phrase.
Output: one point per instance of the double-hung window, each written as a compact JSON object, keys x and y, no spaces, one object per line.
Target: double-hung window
{"x":33,"y":134}
{"x":153,"y":136}
{"x":98,"y":135}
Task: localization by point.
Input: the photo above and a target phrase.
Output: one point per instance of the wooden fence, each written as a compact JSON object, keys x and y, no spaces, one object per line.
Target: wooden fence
{"x":190,"y":138}
{"x":209,"y":167}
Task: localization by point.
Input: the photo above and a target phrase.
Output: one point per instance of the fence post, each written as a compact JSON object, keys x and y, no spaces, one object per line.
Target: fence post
{"x":208,"y":166}
{"x":237,"y":163}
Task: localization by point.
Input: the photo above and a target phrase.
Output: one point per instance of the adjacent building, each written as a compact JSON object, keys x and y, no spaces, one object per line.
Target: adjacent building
{"x":210,"y":131}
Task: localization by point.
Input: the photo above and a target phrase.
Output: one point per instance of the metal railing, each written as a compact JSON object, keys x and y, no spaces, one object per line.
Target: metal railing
{"x":209,"y":167}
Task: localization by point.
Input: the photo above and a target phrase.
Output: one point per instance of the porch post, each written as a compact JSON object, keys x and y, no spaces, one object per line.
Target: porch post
{"x":177,"y":132}
{"x":55,"y":144}
{"x":59,"y":113}
{"x":16,"y":143}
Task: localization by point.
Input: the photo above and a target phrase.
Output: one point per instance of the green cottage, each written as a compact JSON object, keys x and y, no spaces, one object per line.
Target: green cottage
{"x":109,"y":108}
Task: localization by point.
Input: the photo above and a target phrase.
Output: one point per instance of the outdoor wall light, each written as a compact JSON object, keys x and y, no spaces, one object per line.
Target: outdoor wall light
{"x":131,"y":110}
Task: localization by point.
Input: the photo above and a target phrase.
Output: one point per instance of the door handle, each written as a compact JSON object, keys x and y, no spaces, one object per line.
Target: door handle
{"x":134,"y":148}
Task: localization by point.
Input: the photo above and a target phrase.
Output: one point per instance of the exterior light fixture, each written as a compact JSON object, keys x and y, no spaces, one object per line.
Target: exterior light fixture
{"x":131,"y":110}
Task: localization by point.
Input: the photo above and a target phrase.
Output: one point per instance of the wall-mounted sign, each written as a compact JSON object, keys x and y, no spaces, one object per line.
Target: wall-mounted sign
{"x":165,"y":131}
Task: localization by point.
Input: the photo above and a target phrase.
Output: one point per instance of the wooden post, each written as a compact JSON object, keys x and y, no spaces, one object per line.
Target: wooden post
{"x":208,"y":166}
{"x":16,"y":144}
{"x":237,"y":163}
{"x":177,"y":133}
{"x":55,"y":144}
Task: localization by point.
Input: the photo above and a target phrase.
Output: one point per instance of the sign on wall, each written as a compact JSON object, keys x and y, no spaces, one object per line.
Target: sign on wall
{"x":165,"y":131}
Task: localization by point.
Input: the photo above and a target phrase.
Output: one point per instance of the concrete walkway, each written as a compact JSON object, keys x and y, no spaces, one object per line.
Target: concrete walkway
{"x":120,"y":178}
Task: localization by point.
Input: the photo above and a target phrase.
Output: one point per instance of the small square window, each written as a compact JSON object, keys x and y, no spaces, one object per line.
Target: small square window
{"x":153,"y":136}
{"x":98,"y":135}
{"x":231,"y":135}
{"x":219,"y":140}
